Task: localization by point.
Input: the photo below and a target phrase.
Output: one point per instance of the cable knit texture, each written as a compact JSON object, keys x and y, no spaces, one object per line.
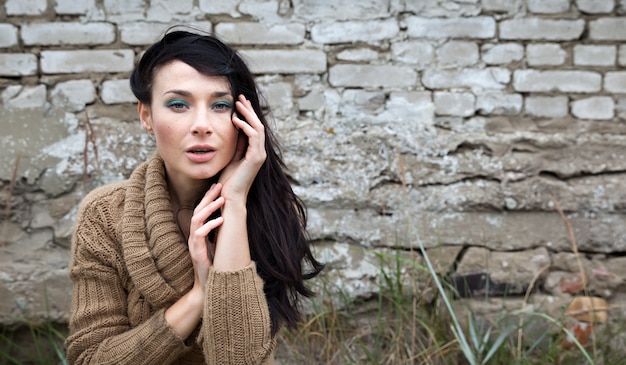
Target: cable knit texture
{"x":129,"y":263}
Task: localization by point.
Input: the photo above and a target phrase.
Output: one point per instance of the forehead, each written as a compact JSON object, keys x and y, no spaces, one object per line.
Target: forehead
{"x":179,"y":75}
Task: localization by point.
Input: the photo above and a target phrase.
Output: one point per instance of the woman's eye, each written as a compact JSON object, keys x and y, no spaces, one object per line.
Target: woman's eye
{"x":176,"y":104}
{"x":222,"y":105}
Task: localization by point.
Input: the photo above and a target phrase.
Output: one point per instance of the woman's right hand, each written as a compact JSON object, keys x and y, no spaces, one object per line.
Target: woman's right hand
{"x":199,"y":229}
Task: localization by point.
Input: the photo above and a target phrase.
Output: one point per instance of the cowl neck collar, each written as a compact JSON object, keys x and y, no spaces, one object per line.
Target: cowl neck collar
{"x":156,"y":257}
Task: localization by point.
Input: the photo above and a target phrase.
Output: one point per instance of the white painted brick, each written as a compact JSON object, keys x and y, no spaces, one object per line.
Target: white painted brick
{"x":608,"y":29}
{"x":8,"y":35}
{"x":24,"y":97}
{"x":500,"y":54}
{"x":116,"y":7}
{"x":314,"y":100}
{"x":171,"y":7}
{"x":279,"y":96}
{"x":558,"y":80}
{"x":511,"y":6}
{"x":548,"y":6}
{"x":285,"y":61}
{"x":541,"y":29}
{"x":354,"y":31}
{"x":596,"y":107}
{"x":457,"y":54}
{"x":498,"y":103}
{"x":621,"y":58}
{"x":220,"y":7}
{"x":145,"y":33}
{"x":546,"y":54}
{"x":26,"y":7}
{"x":73,"y":94}
{"x":480,"y":27}
{"x":357,"y":101}
{"x":615,"y":82}
{"x":371,"y":76}
{"x":257,"y":33}
{"x":547,"y":106}
{"x":359,"y":54}
{"x":18,"y":64}
{"x":405,"y":108}
{"x":116,"y":92}
{"x":61,"y":62}
{"x":489,"y":78}
{"x":594,"y":55}
{"x":341,"y":9}
{"x":595,"y":6}
{"x":67,"y":33}
{"x":454,"y":104}
{"x":73,"y":7}
{"x":418,"y":53}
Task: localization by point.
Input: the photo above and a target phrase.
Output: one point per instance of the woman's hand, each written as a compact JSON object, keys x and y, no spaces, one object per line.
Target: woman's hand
{"x":200,"y":227}
{"x":238,"y":175}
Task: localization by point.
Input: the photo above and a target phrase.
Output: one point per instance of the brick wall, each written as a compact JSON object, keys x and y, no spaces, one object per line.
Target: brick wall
{"x":468,"y":122}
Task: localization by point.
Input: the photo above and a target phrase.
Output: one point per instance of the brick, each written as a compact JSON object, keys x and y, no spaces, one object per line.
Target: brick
{"x":48,"y":34}
{"x":312,"y":101}
{"x":457,"y":54}
{"x":594,"y":55}
{"x":409,"y":107}
{"x":24,"y":97}
{"x":498,"y":103}
{"x":73,"y":7}
{"x":354,"y":31}
{"x":454,"y":104}
{"x":18,"y":64}
{"x":359,"y":54}
{"x":562,"y":81}
{"x":545,"y":54}
{"x":547,"y":106}
{"x":608,"y":29}
{"x":615,"y":82}
{"x":145,"y":33}
{"x":170,"y":7}
{"x":26,"y":7}
{"x":500,"y":54}
{"x":480,"y":27}
{"x":418,"y":53}
{"x":541,"y":29}
{"x":489,"y":78}
{"x":548,"y":6}
{"x":510,"y":6}
{"x":279,"y":96}
{"x":116,"y":92}
{"x":357,"y":101}
{"x":597,"y":108}
{"x":220,"y":7}
{"x":74,"y":94}
{"x":340,"y":9}
{"x":595,"y":6}
{"x":372,"y":76}
{"x":8,"y":35}
{"x":62,"y":62}
{"x":257,"y":33}
{"x":285,"y":61}
{"x":621,"y":58}
{"x":117,"y":7}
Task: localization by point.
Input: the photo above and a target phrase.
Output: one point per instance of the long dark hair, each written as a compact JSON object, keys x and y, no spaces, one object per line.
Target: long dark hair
{"x":276,"y":220}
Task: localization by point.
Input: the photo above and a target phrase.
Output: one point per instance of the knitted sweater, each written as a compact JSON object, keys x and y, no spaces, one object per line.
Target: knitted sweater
{"x":130,"y":263}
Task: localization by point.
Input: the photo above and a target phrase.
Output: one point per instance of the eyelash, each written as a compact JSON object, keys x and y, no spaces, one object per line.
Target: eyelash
{"x":178,"y":105}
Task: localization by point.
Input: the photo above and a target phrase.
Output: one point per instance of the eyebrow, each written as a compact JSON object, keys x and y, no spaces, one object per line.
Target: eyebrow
{"x":216,"y":94}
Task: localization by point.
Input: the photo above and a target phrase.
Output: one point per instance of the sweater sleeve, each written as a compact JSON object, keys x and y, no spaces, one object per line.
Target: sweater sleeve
{"x":236,"y":325}
{"x":100,"y":330}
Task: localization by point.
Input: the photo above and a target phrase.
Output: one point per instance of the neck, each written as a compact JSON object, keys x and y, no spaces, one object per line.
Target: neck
{"x":188,"y":193}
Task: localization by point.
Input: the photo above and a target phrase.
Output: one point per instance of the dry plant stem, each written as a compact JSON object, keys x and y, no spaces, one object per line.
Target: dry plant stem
{"x":9,"y":206}
{"x":520,"y":330}
{"x":583,"y":274}
{"x":89,"y":138}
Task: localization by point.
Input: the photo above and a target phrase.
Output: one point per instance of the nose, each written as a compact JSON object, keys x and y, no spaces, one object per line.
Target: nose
{"x":201,"y":123}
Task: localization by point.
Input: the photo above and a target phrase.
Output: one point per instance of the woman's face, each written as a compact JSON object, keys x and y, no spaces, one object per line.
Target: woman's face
{"x":191,"y":119}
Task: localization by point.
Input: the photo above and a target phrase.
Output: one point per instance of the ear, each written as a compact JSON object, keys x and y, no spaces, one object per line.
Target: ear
{"x":145,"y":115}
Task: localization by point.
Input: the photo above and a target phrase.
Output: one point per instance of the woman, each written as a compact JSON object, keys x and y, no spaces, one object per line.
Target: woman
{"x":200,"y":256}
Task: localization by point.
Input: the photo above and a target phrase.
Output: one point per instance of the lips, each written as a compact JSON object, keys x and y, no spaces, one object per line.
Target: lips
{"x":201,"y":149}
{"x":200,"y":153}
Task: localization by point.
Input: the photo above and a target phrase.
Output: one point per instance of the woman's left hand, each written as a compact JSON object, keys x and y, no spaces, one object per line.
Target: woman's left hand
{"x":238,"y":175}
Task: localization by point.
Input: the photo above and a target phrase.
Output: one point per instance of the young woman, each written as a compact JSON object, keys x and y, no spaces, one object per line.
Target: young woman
{"x":201,"y":255}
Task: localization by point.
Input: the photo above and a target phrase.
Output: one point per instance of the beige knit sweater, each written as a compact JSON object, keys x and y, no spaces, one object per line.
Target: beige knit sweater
{"x":130,"y":263}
